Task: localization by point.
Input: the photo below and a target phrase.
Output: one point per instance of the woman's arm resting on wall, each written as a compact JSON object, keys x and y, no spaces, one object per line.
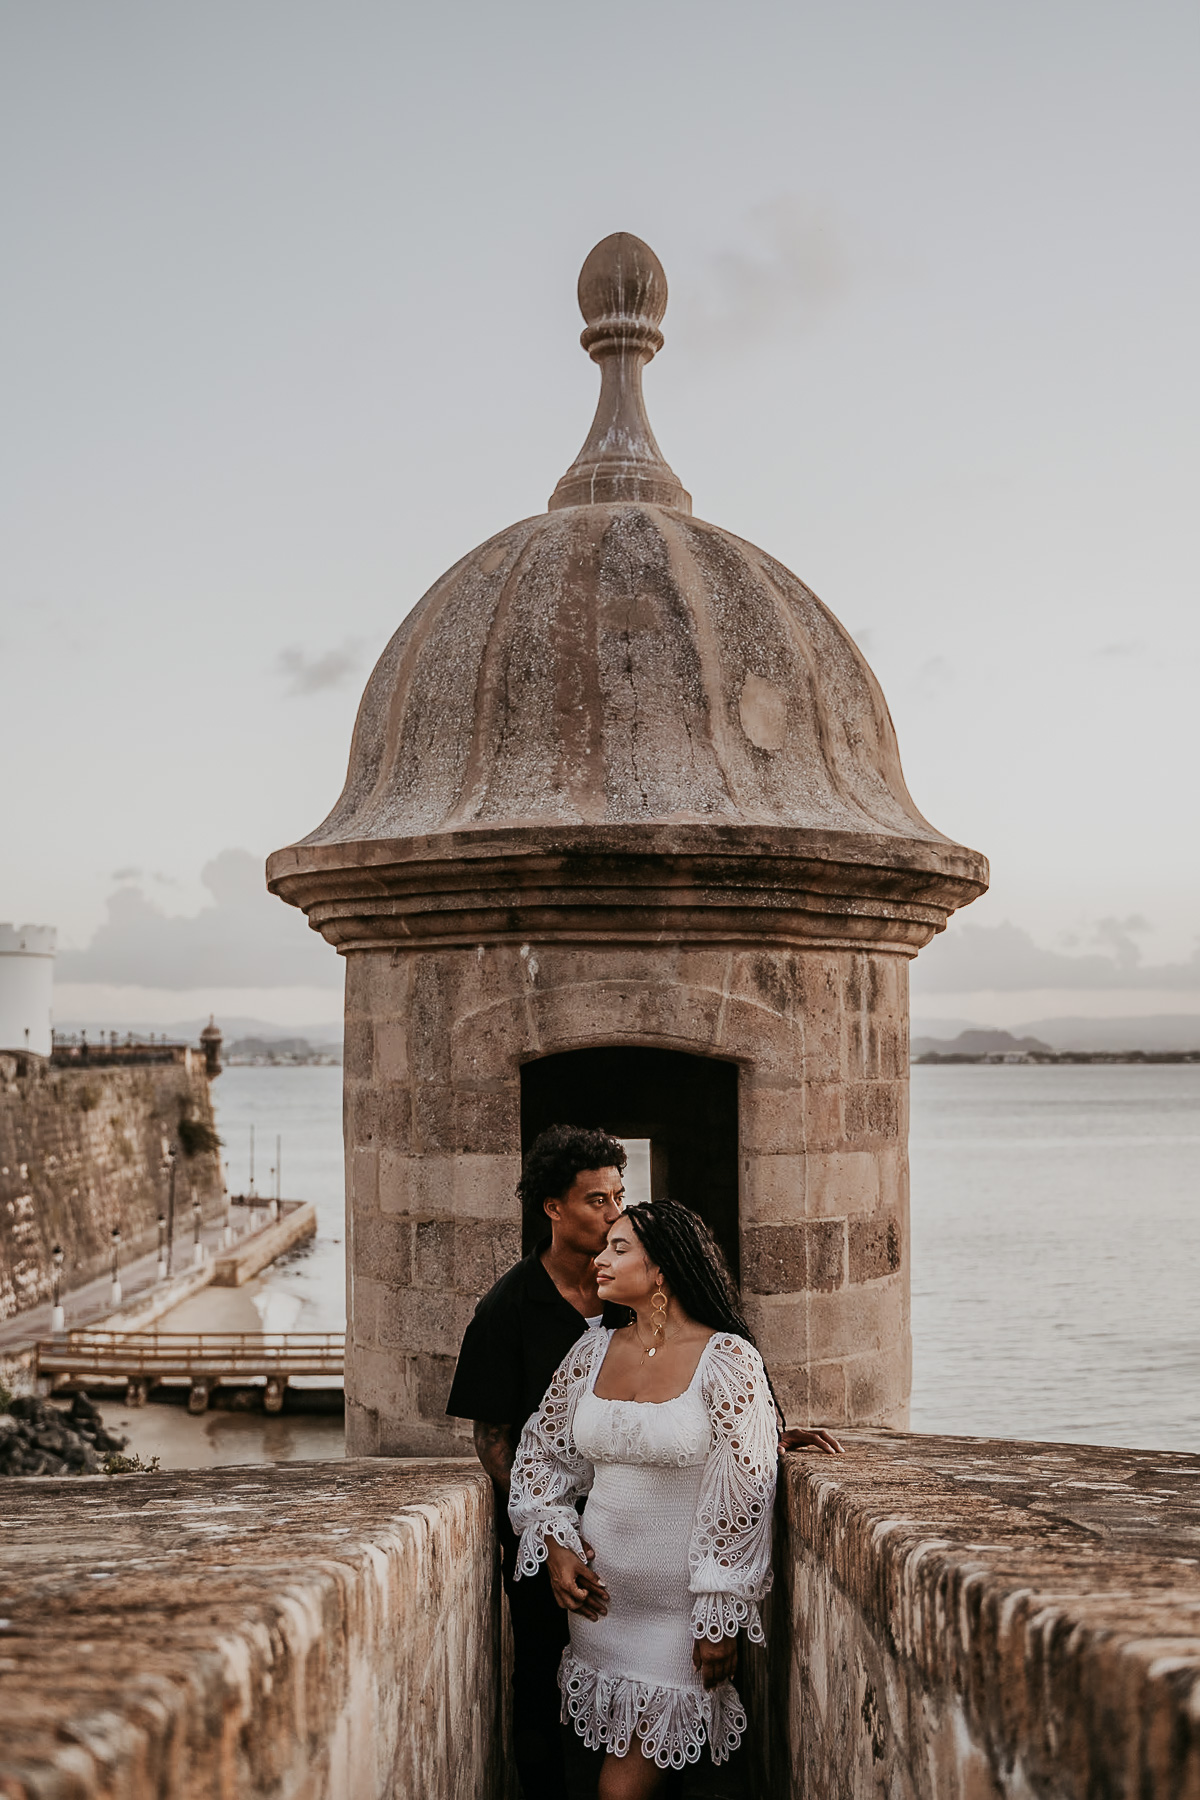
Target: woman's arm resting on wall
{"x":798,"y":1438}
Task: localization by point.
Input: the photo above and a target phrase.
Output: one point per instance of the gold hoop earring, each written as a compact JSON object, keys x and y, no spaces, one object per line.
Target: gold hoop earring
{"x":658,"y":1307}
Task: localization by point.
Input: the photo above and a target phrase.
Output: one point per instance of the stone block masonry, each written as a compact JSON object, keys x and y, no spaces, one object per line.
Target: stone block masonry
{"x":436,"y":1040}
{"x":961,"y":1619}
{"x":305,"y":1632}
{"x":952,"y":1619}
{"x":80,"y":1152}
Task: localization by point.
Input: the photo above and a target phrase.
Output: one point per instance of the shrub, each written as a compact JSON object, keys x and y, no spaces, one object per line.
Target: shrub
{"x":197,"y":1138}
{"x":120,"y":1464}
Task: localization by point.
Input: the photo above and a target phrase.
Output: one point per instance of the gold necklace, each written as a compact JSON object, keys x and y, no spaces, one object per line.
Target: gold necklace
{"x":653,"y":1349}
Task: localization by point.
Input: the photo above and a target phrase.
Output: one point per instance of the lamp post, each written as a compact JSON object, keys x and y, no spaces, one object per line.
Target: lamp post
{"x":197,"y":1246}
{"x":116,"y":1266}
{"x":58,"y":1320}
{"x":162,"y":1246}
{"x":228,"y":1231}
{"x":171,"y":1164}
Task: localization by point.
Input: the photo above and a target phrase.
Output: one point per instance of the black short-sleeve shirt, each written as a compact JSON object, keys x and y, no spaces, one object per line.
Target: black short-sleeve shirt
{"x":521,"y":1331}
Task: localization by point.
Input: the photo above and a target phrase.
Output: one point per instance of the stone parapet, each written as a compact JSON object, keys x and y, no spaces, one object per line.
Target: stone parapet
{"x":952,"y":1619}
{"x":963,"y":1619}
{"x":304,"y":1632}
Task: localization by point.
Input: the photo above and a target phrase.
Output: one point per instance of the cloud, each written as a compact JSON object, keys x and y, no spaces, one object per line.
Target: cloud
{"x":314,"y":674}
{"x":1118,"y":935}
{"x":245,"y":939}
{"x":791,"y":271}
{"x":1004,"y":958}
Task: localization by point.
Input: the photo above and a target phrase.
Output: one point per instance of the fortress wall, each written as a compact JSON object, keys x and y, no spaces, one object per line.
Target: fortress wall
{"x":964,"y":1619}
{"x":320,"y":1631}
{"x":953,"y":1619}
{"x":80,"y":1153}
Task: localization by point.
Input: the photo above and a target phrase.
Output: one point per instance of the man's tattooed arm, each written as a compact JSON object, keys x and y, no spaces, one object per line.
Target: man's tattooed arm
{"x":496,"y":1447}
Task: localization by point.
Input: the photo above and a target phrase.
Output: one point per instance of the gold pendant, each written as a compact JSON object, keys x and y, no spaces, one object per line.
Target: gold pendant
{"x":653,"y":1351}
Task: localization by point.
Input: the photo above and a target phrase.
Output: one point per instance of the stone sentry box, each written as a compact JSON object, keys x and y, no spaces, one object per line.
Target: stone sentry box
{"x":625,"y":840}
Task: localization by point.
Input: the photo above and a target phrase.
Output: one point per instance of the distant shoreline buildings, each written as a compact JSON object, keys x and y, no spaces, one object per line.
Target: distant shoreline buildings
{"x":281,"y":1053}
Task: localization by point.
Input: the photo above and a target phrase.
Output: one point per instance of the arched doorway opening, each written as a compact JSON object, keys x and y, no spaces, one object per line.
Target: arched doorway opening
{"x":685,"y":1106}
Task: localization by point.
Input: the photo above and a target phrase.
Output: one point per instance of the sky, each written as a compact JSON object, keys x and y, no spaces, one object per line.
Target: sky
{"x":289,"y":325}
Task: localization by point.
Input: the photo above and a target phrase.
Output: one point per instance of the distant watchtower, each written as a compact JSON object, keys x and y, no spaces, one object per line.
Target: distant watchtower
{"x":26,"y":987}
{"x":625,"y":840}
{"x":210,"y":1042}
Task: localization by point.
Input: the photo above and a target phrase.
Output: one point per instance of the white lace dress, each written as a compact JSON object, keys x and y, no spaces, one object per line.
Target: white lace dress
{"x":679,"y":1514}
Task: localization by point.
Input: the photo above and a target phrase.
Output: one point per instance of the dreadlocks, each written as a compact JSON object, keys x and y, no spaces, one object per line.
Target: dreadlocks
{"x":680,"y":1243}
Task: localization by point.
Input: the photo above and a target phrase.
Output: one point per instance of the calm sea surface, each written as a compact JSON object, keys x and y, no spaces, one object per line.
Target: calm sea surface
{"x":1055,"y":1241}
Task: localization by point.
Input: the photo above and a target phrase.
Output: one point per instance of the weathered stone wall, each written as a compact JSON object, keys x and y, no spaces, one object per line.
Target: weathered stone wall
{"x":80,"y":1153}
{"x":960,"y":1619}
{"x":953,"y":1619}
{"x":303,"y":1632}
{"x":435,"y":1040}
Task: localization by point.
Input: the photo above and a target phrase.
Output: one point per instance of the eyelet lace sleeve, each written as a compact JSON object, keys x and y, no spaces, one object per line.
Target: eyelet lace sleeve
{"x":548,"y":1473}
{"x":730,"y":1556}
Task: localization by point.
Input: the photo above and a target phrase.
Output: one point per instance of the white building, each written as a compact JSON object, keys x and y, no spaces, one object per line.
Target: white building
{"x":26,"y":986}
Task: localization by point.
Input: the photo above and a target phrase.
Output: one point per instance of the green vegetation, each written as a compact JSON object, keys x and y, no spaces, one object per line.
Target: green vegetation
{"x":120,"y":1464}
{"x":196,"y":1138}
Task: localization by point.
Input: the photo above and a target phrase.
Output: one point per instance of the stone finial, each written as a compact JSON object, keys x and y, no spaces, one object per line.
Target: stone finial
{"x":622,"y":296}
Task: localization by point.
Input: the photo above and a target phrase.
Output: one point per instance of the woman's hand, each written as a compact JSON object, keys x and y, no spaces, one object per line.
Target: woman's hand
{"x":716,"y":1662}
{"x":574,"y":1586}
{"x":799,"y":1439}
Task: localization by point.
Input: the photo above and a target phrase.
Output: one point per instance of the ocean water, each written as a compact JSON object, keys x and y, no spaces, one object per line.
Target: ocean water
{"x":1055,"y":1241}
{"x":306,"y":1291}
{"x":1056,"y":1253}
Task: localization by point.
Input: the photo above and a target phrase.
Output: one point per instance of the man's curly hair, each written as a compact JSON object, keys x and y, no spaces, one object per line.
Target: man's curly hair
{"x":556,"y":1156}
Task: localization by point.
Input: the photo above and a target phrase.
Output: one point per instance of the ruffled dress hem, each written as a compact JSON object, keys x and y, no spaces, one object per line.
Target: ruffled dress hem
{"x":672,"y":1724}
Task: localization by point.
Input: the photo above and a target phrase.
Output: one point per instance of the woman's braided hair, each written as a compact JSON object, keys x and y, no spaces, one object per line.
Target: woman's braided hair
{"x":693,"y":1266}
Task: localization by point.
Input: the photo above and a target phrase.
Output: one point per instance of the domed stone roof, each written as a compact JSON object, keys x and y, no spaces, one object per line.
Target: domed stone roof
{"x":622,"y":676}
{"x":621,"y":663}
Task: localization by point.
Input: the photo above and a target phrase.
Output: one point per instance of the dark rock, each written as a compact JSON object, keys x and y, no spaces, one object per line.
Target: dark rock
{"x":28,"y":1406}
{"x":39,"y":1438}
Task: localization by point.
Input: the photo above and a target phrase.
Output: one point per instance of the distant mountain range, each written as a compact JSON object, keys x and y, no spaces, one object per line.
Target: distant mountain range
{"x":976,"y":1042}
{"x":1154,"y":1032}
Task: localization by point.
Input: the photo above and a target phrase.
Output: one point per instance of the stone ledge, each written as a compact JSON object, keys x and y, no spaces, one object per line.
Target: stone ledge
{"x":301,"y":1631}
{"x":963,"y":1617}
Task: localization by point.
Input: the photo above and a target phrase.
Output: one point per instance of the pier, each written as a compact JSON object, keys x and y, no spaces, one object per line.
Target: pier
{"x":143,"y":1360}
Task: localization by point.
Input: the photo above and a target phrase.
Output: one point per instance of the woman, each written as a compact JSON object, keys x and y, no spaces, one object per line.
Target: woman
{"x":668,"y":1426}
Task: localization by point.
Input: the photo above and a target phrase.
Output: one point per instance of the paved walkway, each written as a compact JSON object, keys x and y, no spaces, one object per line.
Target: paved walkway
{"x":93,"y":1302}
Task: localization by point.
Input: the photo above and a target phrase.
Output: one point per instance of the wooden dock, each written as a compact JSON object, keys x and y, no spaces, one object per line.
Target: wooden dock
{"x":204,"y":1359}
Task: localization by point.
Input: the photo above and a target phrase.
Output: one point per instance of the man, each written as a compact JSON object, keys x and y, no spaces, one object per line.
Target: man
{"x":571,"y":1191}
